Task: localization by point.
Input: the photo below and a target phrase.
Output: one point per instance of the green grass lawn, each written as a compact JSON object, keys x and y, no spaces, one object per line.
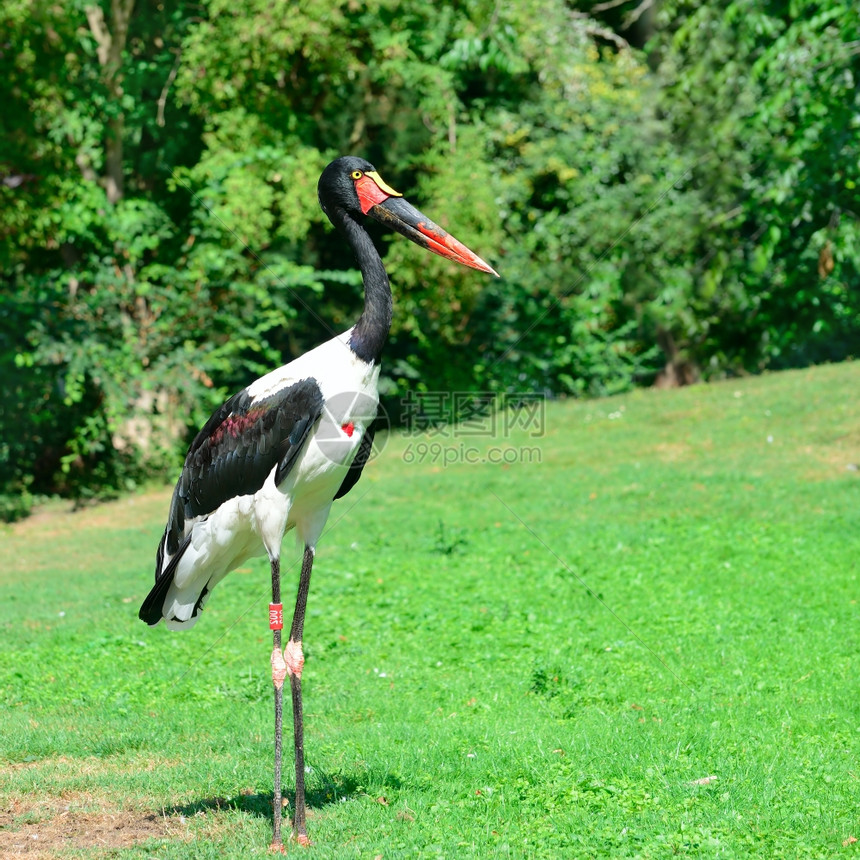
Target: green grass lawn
{"x":646,"y":644}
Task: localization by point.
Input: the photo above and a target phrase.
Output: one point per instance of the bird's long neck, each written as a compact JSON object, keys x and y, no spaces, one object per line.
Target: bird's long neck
{"x":371,"y":331}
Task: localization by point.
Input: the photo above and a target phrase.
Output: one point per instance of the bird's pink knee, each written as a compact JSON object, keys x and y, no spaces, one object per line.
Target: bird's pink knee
{"x":295,"y":659}
{"x":279,"y":668}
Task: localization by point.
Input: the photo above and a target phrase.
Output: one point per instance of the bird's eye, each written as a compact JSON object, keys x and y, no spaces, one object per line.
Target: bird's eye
{"x":356,"y":174}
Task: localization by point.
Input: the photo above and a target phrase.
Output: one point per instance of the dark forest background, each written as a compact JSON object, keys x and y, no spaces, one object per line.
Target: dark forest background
{"x":669,"y":190}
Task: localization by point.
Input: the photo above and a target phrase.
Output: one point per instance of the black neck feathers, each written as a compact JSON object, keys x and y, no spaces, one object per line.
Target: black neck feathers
{"x":371,"y":331}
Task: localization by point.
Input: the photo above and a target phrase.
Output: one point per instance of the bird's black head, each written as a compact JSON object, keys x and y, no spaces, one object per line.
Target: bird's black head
{"x":353,"y":184}
{"x":350,"y":187}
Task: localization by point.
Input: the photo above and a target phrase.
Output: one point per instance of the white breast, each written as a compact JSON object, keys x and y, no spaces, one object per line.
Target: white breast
{"x":349,"y":389}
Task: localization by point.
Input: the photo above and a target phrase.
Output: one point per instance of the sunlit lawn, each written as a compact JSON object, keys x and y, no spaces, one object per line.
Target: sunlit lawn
{"x":646,"y":644}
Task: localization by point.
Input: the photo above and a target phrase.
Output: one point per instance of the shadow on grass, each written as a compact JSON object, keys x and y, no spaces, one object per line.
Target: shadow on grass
{"x":335,"y":788}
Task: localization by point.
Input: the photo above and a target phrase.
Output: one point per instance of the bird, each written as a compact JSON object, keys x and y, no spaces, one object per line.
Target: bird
{"x":277,"y":454}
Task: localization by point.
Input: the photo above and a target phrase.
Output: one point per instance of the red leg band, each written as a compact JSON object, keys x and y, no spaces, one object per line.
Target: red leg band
{"x":276,"y":616}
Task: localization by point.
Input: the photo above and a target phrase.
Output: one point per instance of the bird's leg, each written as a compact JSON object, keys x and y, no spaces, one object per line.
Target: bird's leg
{"x":279,"y":672}
{"x":295,"y":661}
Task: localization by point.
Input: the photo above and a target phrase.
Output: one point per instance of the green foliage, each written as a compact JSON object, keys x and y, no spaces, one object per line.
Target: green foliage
{"x":642,"y":646}
{"x":691,"y":205}
{"x":586,"y":321}
{"x":766,"y":99}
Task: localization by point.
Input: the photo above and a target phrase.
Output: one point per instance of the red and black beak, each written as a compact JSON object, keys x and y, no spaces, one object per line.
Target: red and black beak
{"x":385,"y":205}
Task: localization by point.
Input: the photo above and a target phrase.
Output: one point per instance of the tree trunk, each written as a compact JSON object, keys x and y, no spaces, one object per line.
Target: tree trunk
{"x":111,"y":44}
{"x":678,"y":369}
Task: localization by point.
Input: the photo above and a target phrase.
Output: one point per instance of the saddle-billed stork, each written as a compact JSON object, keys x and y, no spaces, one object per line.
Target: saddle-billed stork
{"x":277,"y":454}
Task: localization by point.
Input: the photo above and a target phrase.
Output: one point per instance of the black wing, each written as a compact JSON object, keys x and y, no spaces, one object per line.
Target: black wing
{"x":365,"y":449}
{"x":151,"y":610}
{"x":237,"y":449}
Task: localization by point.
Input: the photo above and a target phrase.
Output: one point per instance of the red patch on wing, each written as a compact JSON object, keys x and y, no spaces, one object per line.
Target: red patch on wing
{"x":235,"y":425}
{"x":369,"y":193}
{"x":349,"y":428}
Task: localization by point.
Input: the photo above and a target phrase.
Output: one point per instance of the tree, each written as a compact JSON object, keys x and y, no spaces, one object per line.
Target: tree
{"x":663,"y":214}
{"x":111,"y":40}
{"x":766,"y":99}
